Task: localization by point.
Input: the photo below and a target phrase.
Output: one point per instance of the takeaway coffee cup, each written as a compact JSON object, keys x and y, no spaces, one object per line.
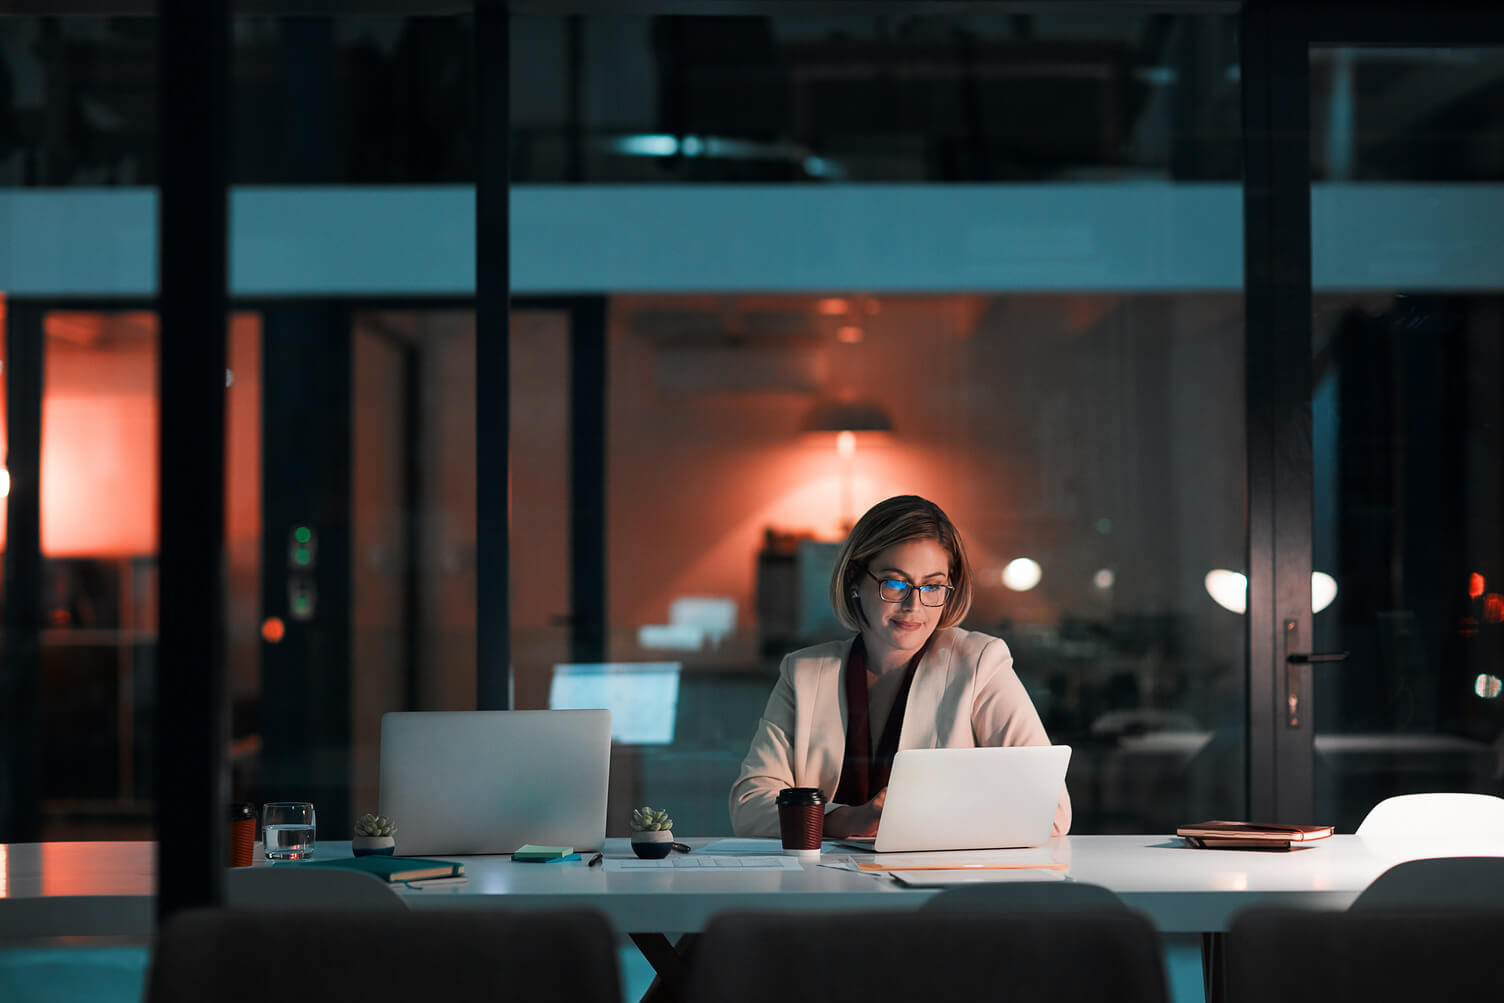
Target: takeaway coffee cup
{"x":242,"y":833}
{"x":801,"y":820}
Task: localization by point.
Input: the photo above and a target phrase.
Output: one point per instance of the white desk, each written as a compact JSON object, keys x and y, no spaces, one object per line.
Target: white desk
{"x":57,"y":889}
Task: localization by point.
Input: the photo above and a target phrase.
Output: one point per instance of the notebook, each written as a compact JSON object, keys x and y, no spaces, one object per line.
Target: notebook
{"x":970,"y":799}
{"x":1219,"y":835}
{"x":395,"y":869}
{"x":490,"y":781}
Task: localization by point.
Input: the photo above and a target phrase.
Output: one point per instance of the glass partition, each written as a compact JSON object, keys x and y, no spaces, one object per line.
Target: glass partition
{"x":1075,"y":417}
{"x":1407,"y":423}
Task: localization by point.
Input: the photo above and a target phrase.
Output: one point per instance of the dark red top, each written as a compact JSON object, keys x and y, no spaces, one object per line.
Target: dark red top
{"x":864,"y":772}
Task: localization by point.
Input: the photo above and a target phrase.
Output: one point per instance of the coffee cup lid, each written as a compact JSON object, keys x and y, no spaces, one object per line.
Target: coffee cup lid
{"x":801,"y":795}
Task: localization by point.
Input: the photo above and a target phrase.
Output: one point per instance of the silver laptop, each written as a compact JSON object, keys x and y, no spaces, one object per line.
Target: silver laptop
{"x":489,"y":781}
{"x":970,"y":799}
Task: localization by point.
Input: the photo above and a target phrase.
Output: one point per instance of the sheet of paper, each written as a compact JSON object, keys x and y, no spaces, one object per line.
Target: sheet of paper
{"x":1034,"y":858}
{"x":767,"y":846}
{"x":950,"y":879}
{"x":700,"y":861}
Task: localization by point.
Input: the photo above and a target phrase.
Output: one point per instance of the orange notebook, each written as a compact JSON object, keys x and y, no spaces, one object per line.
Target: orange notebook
{"x":1219,"y":835}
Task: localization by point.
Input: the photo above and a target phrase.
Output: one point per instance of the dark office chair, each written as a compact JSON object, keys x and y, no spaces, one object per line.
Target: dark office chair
{"x":1385,"y":956}
{"x":992,"y":895}
{"x":1441,"y":882}
{"x":461,"y":955}
{"x":908,"y":955}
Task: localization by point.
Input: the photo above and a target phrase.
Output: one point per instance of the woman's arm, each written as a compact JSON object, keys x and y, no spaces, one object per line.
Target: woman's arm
{"x":1003,"y":714}
{"x":769,"y":766}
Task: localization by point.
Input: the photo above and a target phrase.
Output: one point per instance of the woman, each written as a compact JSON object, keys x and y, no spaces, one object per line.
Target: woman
{"x":909,"y":679}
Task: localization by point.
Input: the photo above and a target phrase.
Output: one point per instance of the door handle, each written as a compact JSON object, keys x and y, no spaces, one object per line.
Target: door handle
{"x":1293,"y":661}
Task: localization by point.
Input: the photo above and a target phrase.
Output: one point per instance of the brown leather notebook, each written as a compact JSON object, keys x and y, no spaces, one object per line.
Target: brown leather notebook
{"x":1219,"y":835}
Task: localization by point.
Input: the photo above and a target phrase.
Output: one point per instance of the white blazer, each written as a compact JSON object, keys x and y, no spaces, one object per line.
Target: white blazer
{"x":965,"y":695}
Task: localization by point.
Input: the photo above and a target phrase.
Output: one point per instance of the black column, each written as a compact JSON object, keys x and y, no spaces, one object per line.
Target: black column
{"x":1277,"y":297}
{"x":21,"y":672}
{"x":305,"y":577}
{"x":412,"y":522}
{"x":191,"y":779}
{"x":587,"y":479}
{"x":493,"y":461}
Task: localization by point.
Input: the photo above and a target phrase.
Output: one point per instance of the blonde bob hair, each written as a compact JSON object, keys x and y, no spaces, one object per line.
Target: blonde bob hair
{"x":898,"y":520}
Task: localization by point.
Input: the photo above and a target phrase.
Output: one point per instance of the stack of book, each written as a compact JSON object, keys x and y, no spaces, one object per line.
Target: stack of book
{"x":1217,"y":835}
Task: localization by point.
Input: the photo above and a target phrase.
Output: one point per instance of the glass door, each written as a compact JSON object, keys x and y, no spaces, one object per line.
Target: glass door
{"x":1407,"y":425}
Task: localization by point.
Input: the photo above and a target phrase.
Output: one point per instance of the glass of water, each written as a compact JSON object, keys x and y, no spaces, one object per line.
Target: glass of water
{"x":287,"y":829}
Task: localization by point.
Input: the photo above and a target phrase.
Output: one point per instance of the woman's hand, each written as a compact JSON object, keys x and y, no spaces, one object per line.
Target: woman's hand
{"x":857,"y":819}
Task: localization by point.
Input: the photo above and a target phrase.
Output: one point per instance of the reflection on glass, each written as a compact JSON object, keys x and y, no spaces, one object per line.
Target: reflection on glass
{"x":99,"y":492}
{"x":643,"y":698}
{"x":1408,"y":425}
{"x":1020,"y":421}
{"x":99,"y":484}
{"x":940,"y":96}
{"x":1022,"y":573}
{"x":1230,"y":590}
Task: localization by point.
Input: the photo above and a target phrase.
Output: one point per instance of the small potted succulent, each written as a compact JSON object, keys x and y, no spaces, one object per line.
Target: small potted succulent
{"x":652,"y":833}
{"x":373,"y":835}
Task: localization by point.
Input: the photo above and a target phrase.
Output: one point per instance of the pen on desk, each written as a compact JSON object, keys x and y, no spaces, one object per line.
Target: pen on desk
{"x":595,"y":860}
{"x":681,"y":847}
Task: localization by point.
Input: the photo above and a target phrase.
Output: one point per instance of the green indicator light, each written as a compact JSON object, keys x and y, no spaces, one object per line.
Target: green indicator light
{"x":300,"y":555}
{"x":302,"y":534}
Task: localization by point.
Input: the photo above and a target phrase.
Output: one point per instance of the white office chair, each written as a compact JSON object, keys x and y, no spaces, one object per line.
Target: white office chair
{"x":307,"y":888}
{"x":1471,"y":816}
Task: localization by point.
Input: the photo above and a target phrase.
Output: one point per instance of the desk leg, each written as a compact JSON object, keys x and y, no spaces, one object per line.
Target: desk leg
{"x":1214,"y":967}
{"x":669,"y":961}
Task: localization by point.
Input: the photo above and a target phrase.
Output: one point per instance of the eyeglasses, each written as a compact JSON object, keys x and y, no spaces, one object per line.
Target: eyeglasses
{"x":897,"y":590}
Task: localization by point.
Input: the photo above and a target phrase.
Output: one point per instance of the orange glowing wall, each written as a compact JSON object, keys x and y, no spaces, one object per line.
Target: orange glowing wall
{"x":99,"y":435}
{"x":100,"y":413}
{"x":1029,"y":419}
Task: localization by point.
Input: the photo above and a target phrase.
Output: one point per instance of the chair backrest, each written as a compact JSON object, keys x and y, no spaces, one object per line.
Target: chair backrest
{"x":459,"y":955}
{"x":307,"y":888}
{"x":992,"y":895}
{"x":1432,"y":815}
{"x":1442,"y":882}
{"x":907,"y":955}
{"x":1393,"y":956}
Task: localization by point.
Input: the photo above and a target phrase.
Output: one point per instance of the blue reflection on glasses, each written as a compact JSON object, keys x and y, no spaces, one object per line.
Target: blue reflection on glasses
{"x":896,"y":590}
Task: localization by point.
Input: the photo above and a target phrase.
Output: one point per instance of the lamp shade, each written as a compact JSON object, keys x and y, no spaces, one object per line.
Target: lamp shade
{"x":847,"y":416}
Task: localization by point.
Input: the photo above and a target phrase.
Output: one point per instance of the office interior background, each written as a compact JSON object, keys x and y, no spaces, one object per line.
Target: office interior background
{"x":765,"y":271}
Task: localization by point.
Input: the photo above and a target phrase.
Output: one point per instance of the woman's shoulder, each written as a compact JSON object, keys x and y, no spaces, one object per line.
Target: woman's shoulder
{"x":971,"y":645}
{"x":818,"y":652}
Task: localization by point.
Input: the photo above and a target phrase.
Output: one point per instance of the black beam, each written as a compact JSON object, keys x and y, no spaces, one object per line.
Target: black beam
{"x":1277,"y":303}
{"x":587,"y":479}
{"x":21,"y":673}
{"x":493,"y":460}
{"x":191,"y":776}
{"x":412,"y":522}
{"x":1410,"y":24}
